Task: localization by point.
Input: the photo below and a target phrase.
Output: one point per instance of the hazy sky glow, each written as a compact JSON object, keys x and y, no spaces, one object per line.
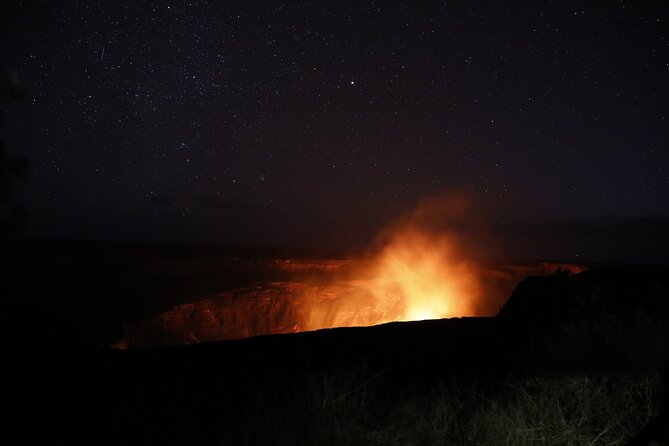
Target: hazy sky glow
{"x":314,"y":124}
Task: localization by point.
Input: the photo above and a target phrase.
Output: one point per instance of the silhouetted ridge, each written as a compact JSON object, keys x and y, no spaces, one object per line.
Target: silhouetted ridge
{"x":600,"y":316}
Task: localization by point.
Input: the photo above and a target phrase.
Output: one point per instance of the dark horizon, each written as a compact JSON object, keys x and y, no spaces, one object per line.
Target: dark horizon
{"x":596,"y":241}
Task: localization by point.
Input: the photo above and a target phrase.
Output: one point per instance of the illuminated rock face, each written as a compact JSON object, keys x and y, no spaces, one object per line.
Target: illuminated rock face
{"x":232,"y":315}
{"x":290,"y":307}
{"x":272,"y":308}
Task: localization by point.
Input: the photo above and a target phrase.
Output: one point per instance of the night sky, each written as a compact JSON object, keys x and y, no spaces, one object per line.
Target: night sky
{"x":316,"y":123}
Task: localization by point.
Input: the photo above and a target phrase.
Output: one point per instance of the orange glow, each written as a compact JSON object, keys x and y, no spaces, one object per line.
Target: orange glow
{"x":418,"y":275}
{"x":423,"y":270}
{"x":427,"y":274}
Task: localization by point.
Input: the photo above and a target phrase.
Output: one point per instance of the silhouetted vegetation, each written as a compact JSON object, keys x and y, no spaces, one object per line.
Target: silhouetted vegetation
{"x":351,"y":406}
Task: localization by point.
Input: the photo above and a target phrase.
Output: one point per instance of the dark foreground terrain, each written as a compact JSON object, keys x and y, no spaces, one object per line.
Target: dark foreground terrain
{"x":570,"y":359}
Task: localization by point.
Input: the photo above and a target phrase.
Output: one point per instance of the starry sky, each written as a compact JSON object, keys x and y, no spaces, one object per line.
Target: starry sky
{"x":316,"y":123}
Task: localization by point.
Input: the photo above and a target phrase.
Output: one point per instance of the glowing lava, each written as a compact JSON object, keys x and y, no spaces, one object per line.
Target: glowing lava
{"x":425,"y":271}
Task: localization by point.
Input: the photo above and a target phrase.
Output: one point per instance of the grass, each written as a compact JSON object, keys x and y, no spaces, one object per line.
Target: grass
{"x":358,"y":409}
